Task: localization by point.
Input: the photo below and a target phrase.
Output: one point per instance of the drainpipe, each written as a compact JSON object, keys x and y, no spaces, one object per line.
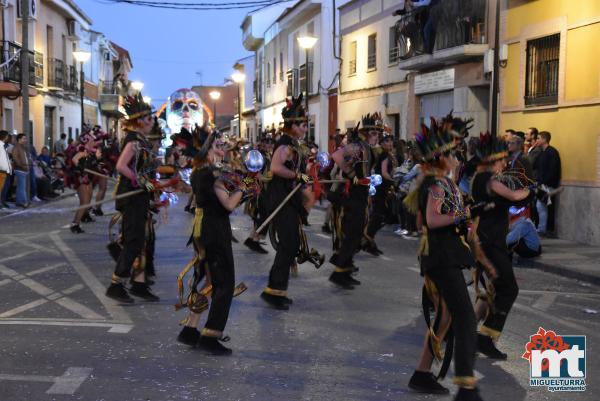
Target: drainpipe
{"x":335,"y":54}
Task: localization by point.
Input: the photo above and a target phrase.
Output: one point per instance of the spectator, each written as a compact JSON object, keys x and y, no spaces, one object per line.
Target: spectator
{"x":518,"y":162}
{"x":22,"y":164}
{"x":45,"y":156}
{"x":522,"y":237}
{"x":534,"y":147}
{"x":32,"y":180}
{"x":60,"y":145}
{"x":429,"y":26}
{"x":508,"y":134}
{"x":548,"y":170}
{"x":5,"y":167}
{"x":8,"y":185}
{"x":470,"y":165}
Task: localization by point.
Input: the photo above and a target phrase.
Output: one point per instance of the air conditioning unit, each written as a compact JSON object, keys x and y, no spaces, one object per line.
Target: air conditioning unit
{"x":72,"y":28}
{"x":32,"y":8}
{"x":3,"y":3}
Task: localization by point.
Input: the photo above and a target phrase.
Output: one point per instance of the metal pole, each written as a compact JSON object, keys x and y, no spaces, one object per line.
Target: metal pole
{"x":215,"y":112}
{"x":239,"y":110}
{"x":496,"y":73}
{"x":306,"y":98}
{"x":82,"y":79}
{"x":25,"y":67}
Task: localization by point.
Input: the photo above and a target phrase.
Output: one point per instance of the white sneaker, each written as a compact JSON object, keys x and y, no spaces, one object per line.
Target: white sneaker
{"x":401,"y":231}
{"x":36,"y":199}
{"x":411,"y":236}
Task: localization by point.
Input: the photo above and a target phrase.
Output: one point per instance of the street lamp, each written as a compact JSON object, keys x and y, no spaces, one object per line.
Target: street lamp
{"x":239,"y":77}
{"x":307,"y":43}
{"x":81,"y":56}
{"x":215,"y":95}
{"x":137,"y":86}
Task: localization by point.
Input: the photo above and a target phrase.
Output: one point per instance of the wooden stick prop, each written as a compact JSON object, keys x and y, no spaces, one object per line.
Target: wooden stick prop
{"x":121,"y":196}
{"x":100,"y":174}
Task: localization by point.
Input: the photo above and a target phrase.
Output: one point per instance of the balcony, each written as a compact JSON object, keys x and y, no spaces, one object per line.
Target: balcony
{"x":257,"y":92}
{"x":12,"y":72}
{"x":56,"y":74}
{"x":292,"y":82}
{"x":302,"y":81}
{"x":110,"y":97}
{"x":460,"y":34}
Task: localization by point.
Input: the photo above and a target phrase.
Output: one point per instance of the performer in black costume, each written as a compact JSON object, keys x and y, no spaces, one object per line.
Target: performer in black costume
{"x":382,"y":200}
{"x":490,"y":184}
{"x":285,"y":168}
{"x":442,"y":255}
{"x":133,"y":167}
{"x":355,"y":161}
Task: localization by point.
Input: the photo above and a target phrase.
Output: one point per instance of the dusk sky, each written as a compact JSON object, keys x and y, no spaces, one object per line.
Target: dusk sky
{"x":170,"y":47}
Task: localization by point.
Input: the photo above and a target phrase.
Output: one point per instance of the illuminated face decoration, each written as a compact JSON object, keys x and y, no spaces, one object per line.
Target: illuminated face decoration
{"x":184,"y":109}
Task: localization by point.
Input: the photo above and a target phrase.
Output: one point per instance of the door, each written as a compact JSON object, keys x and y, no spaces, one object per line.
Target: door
{"x":436,"y":105}
{"x":332,"y":122}
{"x":49,"y":126}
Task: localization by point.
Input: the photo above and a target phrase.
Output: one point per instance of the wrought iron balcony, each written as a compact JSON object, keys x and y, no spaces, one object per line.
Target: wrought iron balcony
{"x":11,"y":57}
{"x":56,"y":73}
{"x":446,"y":32}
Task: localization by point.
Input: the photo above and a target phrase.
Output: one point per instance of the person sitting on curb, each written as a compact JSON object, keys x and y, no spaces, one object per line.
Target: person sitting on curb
{"x":522,"y":237}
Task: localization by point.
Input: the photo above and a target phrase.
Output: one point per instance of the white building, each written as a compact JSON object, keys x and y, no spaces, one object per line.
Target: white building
{"x":370,"y":79}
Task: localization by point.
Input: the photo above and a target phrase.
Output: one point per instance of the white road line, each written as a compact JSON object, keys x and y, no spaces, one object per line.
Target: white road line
{"x":68,"y":383}
{"x":117,"y":312}
{"x":37,"y":287}
{"x":414,"y":269}
{"x":549,"y":316}
{"x":23,"y":308}
{"x":45,"y":269}
{"x":573,"y":294}
{"x":115,"y":327}
{"x":323,"y":236}
{"x":386,"y":258}
{"x":20,"y":255}
{"x":78,"y":308}
{"x":39,"y":247}
{"x":73,"y":289}
{"x":5,"y":281}
{"x":544,"y":302}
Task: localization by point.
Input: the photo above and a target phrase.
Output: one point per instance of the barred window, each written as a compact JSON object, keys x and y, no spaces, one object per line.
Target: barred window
{"x":352,"y":59}
{"x":541,"y":81}
{"x":372,"y":52}
{"x":394,"y":51}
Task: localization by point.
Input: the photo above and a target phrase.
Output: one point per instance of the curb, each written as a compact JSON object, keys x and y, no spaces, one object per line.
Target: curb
{"x":62,"y":196}
{"x":566,"y":272}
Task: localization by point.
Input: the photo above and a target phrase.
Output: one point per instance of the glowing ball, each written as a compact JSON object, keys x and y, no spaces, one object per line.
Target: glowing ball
{"x":254,"y":161}
{"x":376,"y":180}
{"x":323,"y":159}
{"x":372,"y":190}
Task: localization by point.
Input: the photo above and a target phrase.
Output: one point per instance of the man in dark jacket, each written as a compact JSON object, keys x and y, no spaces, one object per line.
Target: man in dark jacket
{"x":547,"y":166}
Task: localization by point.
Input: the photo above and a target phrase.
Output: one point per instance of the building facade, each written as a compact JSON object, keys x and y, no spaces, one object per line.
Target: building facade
{"x":551,"y":81}
{"x":370,"y":79}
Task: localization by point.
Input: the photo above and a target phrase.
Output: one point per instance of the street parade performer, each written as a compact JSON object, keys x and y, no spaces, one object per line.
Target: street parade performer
{"x":442,"y":256}
{"x":504,"y":188}
{"x":287,"y":175}
{"x":133,"y":167}
{"x":355,"y":161}
{"x":216,"y":196}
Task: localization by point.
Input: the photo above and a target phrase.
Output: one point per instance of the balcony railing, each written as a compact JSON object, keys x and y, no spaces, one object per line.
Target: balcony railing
{"x":56,"y":73}
{"x":10,"y":54}
{"x":109,"y":88}
{"x":455,"y":23}
{"x":70,"y":83}
{"x":292,"y":82}
{"x":303,"y":77}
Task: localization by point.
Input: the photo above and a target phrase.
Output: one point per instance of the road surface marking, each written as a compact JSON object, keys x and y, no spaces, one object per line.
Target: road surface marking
{"x":544,"y":302}
{"x":323,"y":236}
{"x":386,"y":258}
{"x":23,"y":308}
{"x":78,"y":308}
{"x":68,"y":383}
{"x":5,"y":281}
{"x":45,"y":269}
{"x":117,"y":312}
{"x":20,"y":255}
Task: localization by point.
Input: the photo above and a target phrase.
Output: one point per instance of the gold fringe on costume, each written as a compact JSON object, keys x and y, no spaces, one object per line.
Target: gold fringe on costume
{"x":435,"y":340}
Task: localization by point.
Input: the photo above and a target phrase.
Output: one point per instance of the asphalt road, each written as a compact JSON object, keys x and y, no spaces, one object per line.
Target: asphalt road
{"x":61,"y":339}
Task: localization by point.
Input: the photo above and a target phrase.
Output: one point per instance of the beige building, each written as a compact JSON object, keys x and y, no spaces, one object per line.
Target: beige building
{"x":370,"y":79}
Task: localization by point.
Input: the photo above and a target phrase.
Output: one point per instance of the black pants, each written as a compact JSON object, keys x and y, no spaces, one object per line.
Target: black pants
{"x":505,"y":286}
{"x":287,"y":228}
{"x":135,"y":214}
{"x":219,"y":257}
{"x":353,"y":225}
{"x":453,"y":289}
{"x":378,"y":216}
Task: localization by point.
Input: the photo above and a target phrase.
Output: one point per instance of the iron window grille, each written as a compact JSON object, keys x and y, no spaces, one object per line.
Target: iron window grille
{"x":541,"y":80}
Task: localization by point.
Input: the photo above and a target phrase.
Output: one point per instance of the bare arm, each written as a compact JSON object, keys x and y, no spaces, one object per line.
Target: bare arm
{"x":228,"y":200}
{"x":125,"y":158}
{"x":278,"y":163}
{"x":338,"y":158}
{"x":505,"y":192}
{"x":435,"y":218}
{"x":384,"y":171}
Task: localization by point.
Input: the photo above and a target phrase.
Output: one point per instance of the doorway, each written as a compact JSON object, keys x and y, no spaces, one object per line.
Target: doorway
{"x":49,"y":126}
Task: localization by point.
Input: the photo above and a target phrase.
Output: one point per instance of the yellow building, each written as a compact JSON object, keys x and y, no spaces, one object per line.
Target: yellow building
{"x":551,"y":81}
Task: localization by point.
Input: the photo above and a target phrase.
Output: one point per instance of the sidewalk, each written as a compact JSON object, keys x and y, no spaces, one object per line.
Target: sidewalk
{"x":567,"y":259}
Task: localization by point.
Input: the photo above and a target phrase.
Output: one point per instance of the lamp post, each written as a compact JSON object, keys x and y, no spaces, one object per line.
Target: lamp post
{"x":81,"y":56}
{"x":215,"y":95}
{"x":239,"y":77}
{"x":307,"y":43}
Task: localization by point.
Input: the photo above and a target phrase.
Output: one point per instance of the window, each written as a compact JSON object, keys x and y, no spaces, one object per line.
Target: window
{"x":394,"y":55}
{"x":541,"y":80}
{"x":281,"y":66}
{"x":352,"y":59}
{"x":268,"y":83}
{"x":372,"y":52}
{"x":274,"y":70}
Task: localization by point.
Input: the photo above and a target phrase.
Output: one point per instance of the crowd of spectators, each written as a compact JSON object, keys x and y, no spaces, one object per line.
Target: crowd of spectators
{"x":25,"y":175}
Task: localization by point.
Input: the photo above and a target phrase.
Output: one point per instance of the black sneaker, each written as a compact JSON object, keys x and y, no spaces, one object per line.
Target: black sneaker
{"x":189,"y":336}
{"x":352,"y":280}
{"x":212,"y":346}
{"x":233,"y":239}
{"x":118,"y":293}
{"x":287,"y":300}
{"x":98,"y":211}
{"x":370,"y":248}
{"x":142,"y":290}
{"x":275,"y":301}
{"x":76,"y":229}
{"x":468,"y":394}
{"x":87,"y":219}
{"x":255,"y":246}
{"x":326,"y":229}
{"x":341,"y":280}
{"x":425,"y":382}
{"x":486,"y":346}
